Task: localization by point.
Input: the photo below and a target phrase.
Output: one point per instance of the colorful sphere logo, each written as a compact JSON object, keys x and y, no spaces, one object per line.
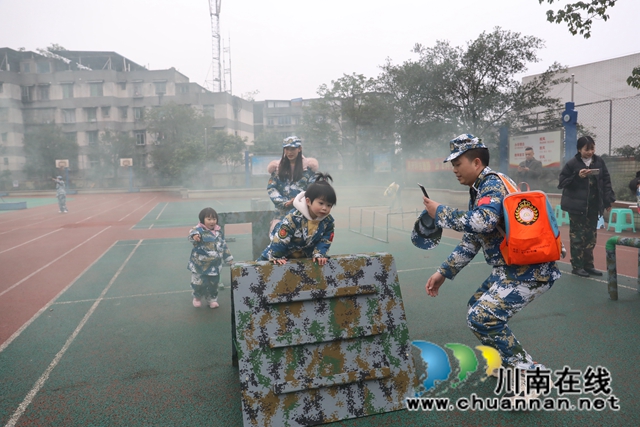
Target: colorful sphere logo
{"x":438,"y":366}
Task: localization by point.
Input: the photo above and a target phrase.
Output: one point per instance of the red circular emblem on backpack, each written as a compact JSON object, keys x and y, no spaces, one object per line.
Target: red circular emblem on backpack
{"x":282,"y":233}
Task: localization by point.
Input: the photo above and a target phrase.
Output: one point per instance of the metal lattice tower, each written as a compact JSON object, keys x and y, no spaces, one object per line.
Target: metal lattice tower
{"x":216,"y":66}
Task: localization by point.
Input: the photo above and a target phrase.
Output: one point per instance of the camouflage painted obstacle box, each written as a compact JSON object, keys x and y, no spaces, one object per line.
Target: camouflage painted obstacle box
{"x":321,"y":344}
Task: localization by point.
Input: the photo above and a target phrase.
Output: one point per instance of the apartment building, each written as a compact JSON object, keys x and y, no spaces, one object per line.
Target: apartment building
{"x":88,"y":93}
{"x":281,"y":117}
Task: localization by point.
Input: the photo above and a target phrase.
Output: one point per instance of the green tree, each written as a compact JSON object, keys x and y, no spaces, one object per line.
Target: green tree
{"x":467,"y":89}
{"x":579,"y":16}
{"x":351,"y":115}
{"x":45,"y":144}
{"x":105,"y":156}
{"x":267,"y":143}
{"x":228,"y":149}
{"x":180,"y":152}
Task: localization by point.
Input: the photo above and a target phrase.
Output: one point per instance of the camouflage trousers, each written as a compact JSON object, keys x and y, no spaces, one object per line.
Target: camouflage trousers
{"x":493,"y":304}
{"x":205,"y":286}
{"x":583,"y":231}
{"x":62,"y":202}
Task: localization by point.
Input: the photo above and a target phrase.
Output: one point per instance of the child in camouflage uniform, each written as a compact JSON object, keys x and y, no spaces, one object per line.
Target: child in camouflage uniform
{"x":509,"y":288}
{"x":61,"y":193}
{"x":306,"y":231}
{"x":208,"y":253}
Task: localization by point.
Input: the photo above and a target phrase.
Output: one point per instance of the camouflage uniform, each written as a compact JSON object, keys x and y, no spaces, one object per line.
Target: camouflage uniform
{"x":508,"y":289}
{"x":61,"y":193}
{"x":583,"y":230}
{"x":297,"y":236}
{"x":281,"y":191}
{"x":205,"y":261}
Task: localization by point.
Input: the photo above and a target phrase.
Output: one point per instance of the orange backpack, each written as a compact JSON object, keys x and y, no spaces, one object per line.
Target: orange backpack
{"x":531,"y":234}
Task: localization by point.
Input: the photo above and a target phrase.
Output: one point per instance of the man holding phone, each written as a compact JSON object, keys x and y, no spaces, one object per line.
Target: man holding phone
{"x":509,"y":288}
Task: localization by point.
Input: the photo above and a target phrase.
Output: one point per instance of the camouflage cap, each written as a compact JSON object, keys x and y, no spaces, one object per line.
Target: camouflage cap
{"x":291,"y":141}
{"x":425,"y":233}
{"x":462,"y":143}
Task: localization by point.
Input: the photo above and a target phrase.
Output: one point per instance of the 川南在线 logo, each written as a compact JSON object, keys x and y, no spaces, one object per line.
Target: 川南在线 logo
{"x":439,"y":371}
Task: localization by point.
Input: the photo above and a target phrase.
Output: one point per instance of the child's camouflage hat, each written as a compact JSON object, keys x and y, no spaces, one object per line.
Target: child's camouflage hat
{"x":425,"y":233}
{"x":462,"y":143}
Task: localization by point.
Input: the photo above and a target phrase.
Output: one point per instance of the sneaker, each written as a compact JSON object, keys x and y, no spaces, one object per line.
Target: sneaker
{"x":197,"y":303}
{"x":220,"y":286}
{"x":213,"y":304}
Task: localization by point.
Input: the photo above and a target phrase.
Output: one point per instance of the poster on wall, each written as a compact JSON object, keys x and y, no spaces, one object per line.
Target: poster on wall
{"x":547,"y":147}
{"x":259,"y":164}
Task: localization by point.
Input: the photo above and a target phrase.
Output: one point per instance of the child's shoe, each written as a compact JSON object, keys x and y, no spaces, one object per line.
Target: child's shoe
{"x":213,"y":303}
{"x":197,"y":303}
{"x":220,"y":286}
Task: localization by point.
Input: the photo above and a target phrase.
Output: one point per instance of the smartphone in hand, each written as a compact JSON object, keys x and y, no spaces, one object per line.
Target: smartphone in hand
{"x":423,"y":191}
{"x":594,"y":171}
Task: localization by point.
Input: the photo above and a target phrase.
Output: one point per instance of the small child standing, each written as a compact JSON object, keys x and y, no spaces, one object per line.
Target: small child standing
{"x":209,"y":250}
{"x":307,"y":230}
{"x":61,"y":193}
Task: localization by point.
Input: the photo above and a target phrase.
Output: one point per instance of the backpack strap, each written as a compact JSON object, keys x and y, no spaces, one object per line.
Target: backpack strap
{"x":510,"y":189}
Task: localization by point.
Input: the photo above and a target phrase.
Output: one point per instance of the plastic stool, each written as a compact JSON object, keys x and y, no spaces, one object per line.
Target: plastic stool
{"x":621,"y":222}
{"x":562,"y":217}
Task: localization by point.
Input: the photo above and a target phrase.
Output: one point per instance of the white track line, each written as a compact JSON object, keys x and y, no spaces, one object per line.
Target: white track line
{"x":47,"y":265}
{"x":165,"y":207}
{"x":139,"y":207}
{"x":153,"y":294}
{"x":40,"y":383}
{"x":17,"y":333}
{"x":46,"y":218}
{"x":115,"y":207}
{"x":145,"y":215}
{"x":37,"y":238}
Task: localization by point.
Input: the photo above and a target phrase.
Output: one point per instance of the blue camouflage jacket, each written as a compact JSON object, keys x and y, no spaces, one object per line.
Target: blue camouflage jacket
{"x":282,"y":191}
{"x":480,"y":227}
{"x":207,"y":254}
{"x":60,"y":188}
{"x":298,"y":236}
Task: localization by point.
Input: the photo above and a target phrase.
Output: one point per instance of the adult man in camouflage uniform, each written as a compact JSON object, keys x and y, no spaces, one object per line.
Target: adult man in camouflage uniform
{"x":508,"y":289}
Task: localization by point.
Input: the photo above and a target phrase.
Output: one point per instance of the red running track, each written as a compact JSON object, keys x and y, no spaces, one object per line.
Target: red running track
{"x":42,"y":252}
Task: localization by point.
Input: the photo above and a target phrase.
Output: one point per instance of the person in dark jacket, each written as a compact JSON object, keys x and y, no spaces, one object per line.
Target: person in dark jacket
{"x":586,"y":194}
{"x":530,"y":170}
{"x":634,"y":187}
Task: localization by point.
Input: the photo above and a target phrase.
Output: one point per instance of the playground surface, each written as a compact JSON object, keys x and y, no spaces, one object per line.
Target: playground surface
{"x":97,"y":326}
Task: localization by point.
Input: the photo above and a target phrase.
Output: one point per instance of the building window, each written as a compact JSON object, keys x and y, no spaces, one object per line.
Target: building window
{"x":26,"y":67}
{"x":67,"y":91}
{"x":137,"y":89}
{"x":123,"y":85}
{"x":92,"y":137}
{"x":4,"y":114}
{"x":1,"y":87}
{"x":5,"y":136}
{"x":72,"y":136}
{"x":95,"y":89}
{"x":92,"y":114}
{"x":43,"y":67}
{"x":6,"y":161}
{"x":69,"y":115}
{"x":138,"y":113}
{"x":124,"y":112}
{"x":43,"y":92}
{"x":27,"y":93}
{"x":140,"y":138}
{"x":184,"y":88}
{"x":161,"y":88}
{"x":284,"y":120}
{"x":106,"y":112}
{"x":270,"y":121}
